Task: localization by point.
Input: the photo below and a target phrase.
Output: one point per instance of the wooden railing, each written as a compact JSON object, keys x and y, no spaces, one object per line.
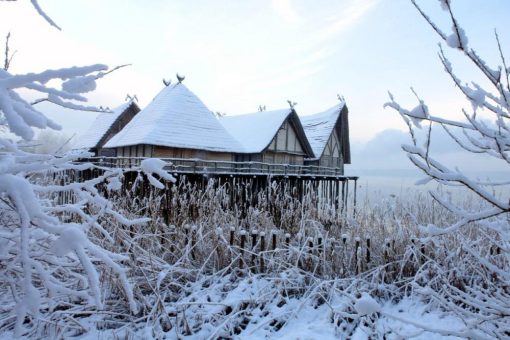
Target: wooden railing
{"x":204,"y":167}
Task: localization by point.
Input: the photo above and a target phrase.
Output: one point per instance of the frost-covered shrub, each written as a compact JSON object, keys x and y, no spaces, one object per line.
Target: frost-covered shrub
{"x":55,"y":251}
{"x":472,"y":277}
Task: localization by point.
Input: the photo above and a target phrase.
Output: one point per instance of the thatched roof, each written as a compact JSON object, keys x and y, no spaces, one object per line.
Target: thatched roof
{"x":176,"y":118}
{"x":318,"y":128}
{"x":93,"y":137}
{"x":255,"y":131}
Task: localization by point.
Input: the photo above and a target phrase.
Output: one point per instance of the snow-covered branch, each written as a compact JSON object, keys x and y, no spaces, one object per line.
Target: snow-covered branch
{"x":478,"y":298}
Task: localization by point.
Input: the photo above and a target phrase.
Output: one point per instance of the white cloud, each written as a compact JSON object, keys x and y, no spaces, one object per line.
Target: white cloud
{"x":344,"y":18}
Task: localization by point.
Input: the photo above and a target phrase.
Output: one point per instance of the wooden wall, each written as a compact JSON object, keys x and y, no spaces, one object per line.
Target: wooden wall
{"x":166,"y":152}
{"x":332,"y":154}
{"x":285,"y":148}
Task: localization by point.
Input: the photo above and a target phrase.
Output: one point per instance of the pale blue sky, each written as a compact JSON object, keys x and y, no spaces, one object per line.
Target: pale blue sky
{"x":239,"y":54}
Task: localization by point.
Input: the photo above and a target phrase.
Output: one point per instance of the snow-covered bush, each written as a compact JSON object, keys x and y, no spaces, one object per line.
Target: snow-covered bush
{"x":473,"y":277}
{"x":54,"y":242}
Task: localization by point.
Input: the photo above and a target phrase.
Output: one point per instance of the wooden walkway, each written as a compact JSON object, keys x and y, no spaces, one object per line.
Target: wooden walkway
{"x":207,"y":167}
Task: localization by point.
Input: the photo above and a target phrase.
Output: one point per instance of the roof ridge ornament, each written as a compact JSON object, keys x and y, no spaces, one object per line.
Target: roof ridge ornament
{"x":262,"y":108}
{"x":131,"y":98}
{"x":167,"y":82}
{"x":340,"y":98}
{"x":291,"y":104}
{"x":180,"y":78}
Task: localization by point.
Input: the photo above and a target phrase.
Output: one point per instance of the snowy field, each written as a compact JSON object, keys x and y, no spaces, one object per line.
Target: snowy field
{"x":249,"y":310}
{"x":300,"y":320}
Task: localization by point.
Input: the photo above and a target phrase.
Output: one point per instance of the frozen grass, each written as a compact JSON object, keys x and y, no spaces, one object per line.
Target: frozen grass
{"x":192,"y":279}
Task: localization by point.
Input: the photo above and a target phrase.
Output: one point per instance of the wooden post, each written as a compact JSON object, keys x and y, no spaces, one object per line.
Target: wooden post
{"x":368,"y":251}
{"x":337,"y":196}
{"x":232,"y":230}
{"x":422,"y":250}
{"x":262,"y":248}
{"x":357,"y":242}
{"x":413,"y":243}
{"x":241,"y":252}
{"x":346,"y":195}
{"x":387,"y":252}
{"x":273,"y":232}
{"x":354,"y":201}
{"x":254,"y":234}
{"x":193,"y":242}
{"x":343,"y":196}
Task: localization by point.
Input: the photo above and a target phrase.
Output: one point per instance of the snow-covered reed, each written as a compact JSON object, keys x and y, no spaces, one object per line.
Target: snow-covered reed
{"x":195,"y":276}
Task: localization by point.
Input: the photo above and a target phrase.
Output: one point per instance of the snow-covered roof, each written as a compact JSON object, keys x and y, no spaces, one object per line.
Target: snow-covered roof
{"x":318,"y":127}
{"x":255,"y":131}
{"x":176,"y":118}
{"x":100,"y":126}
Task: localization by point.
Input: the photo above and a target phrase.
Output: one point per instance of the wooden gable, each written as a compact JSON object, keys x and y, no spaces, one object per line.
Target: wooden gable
{"x":289,"y":145}
{"x":286,"y":140}
{"x":332,"y":155}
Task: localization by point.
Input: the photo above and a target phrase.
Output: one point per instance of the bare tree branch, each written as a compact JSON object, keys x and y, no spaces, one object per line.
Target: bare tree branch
{"x":8,"y":58}
{"x":44,"y":15}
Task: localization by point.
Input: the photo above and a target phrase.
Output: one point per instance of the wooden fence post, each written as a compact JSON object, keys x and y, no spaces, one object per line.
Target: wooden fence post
{"x":413,"y":243}
{"x":273,"y":236}
{"x":193,"y":241}
{"x":254,"y":234}
{"x":262,"y":248}
{"x":243,"y":241}
{"x":368,"y":250}
{"x":387,"y":251}
{"x":357,"y":254}
{"x":231,"y":241}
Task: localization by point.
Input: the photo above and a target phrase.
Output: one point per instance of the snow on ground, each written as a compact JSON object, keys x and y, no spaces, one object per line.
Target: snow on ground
{"x":415,"y":311}
{"x":266,"y":314}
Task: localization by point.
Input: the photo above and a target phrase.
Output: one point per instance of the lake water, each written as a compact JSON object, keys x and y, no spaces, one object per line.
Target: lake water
{"x":374,"y":185}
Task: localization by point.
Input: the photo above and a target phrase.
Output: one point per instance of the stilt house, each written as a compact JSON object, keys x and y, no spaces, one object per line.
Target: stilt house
{"x":178,"y":125}
{"x":275,"y":137}
{"x":328,"y":134}
{"x":104,"y":127}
